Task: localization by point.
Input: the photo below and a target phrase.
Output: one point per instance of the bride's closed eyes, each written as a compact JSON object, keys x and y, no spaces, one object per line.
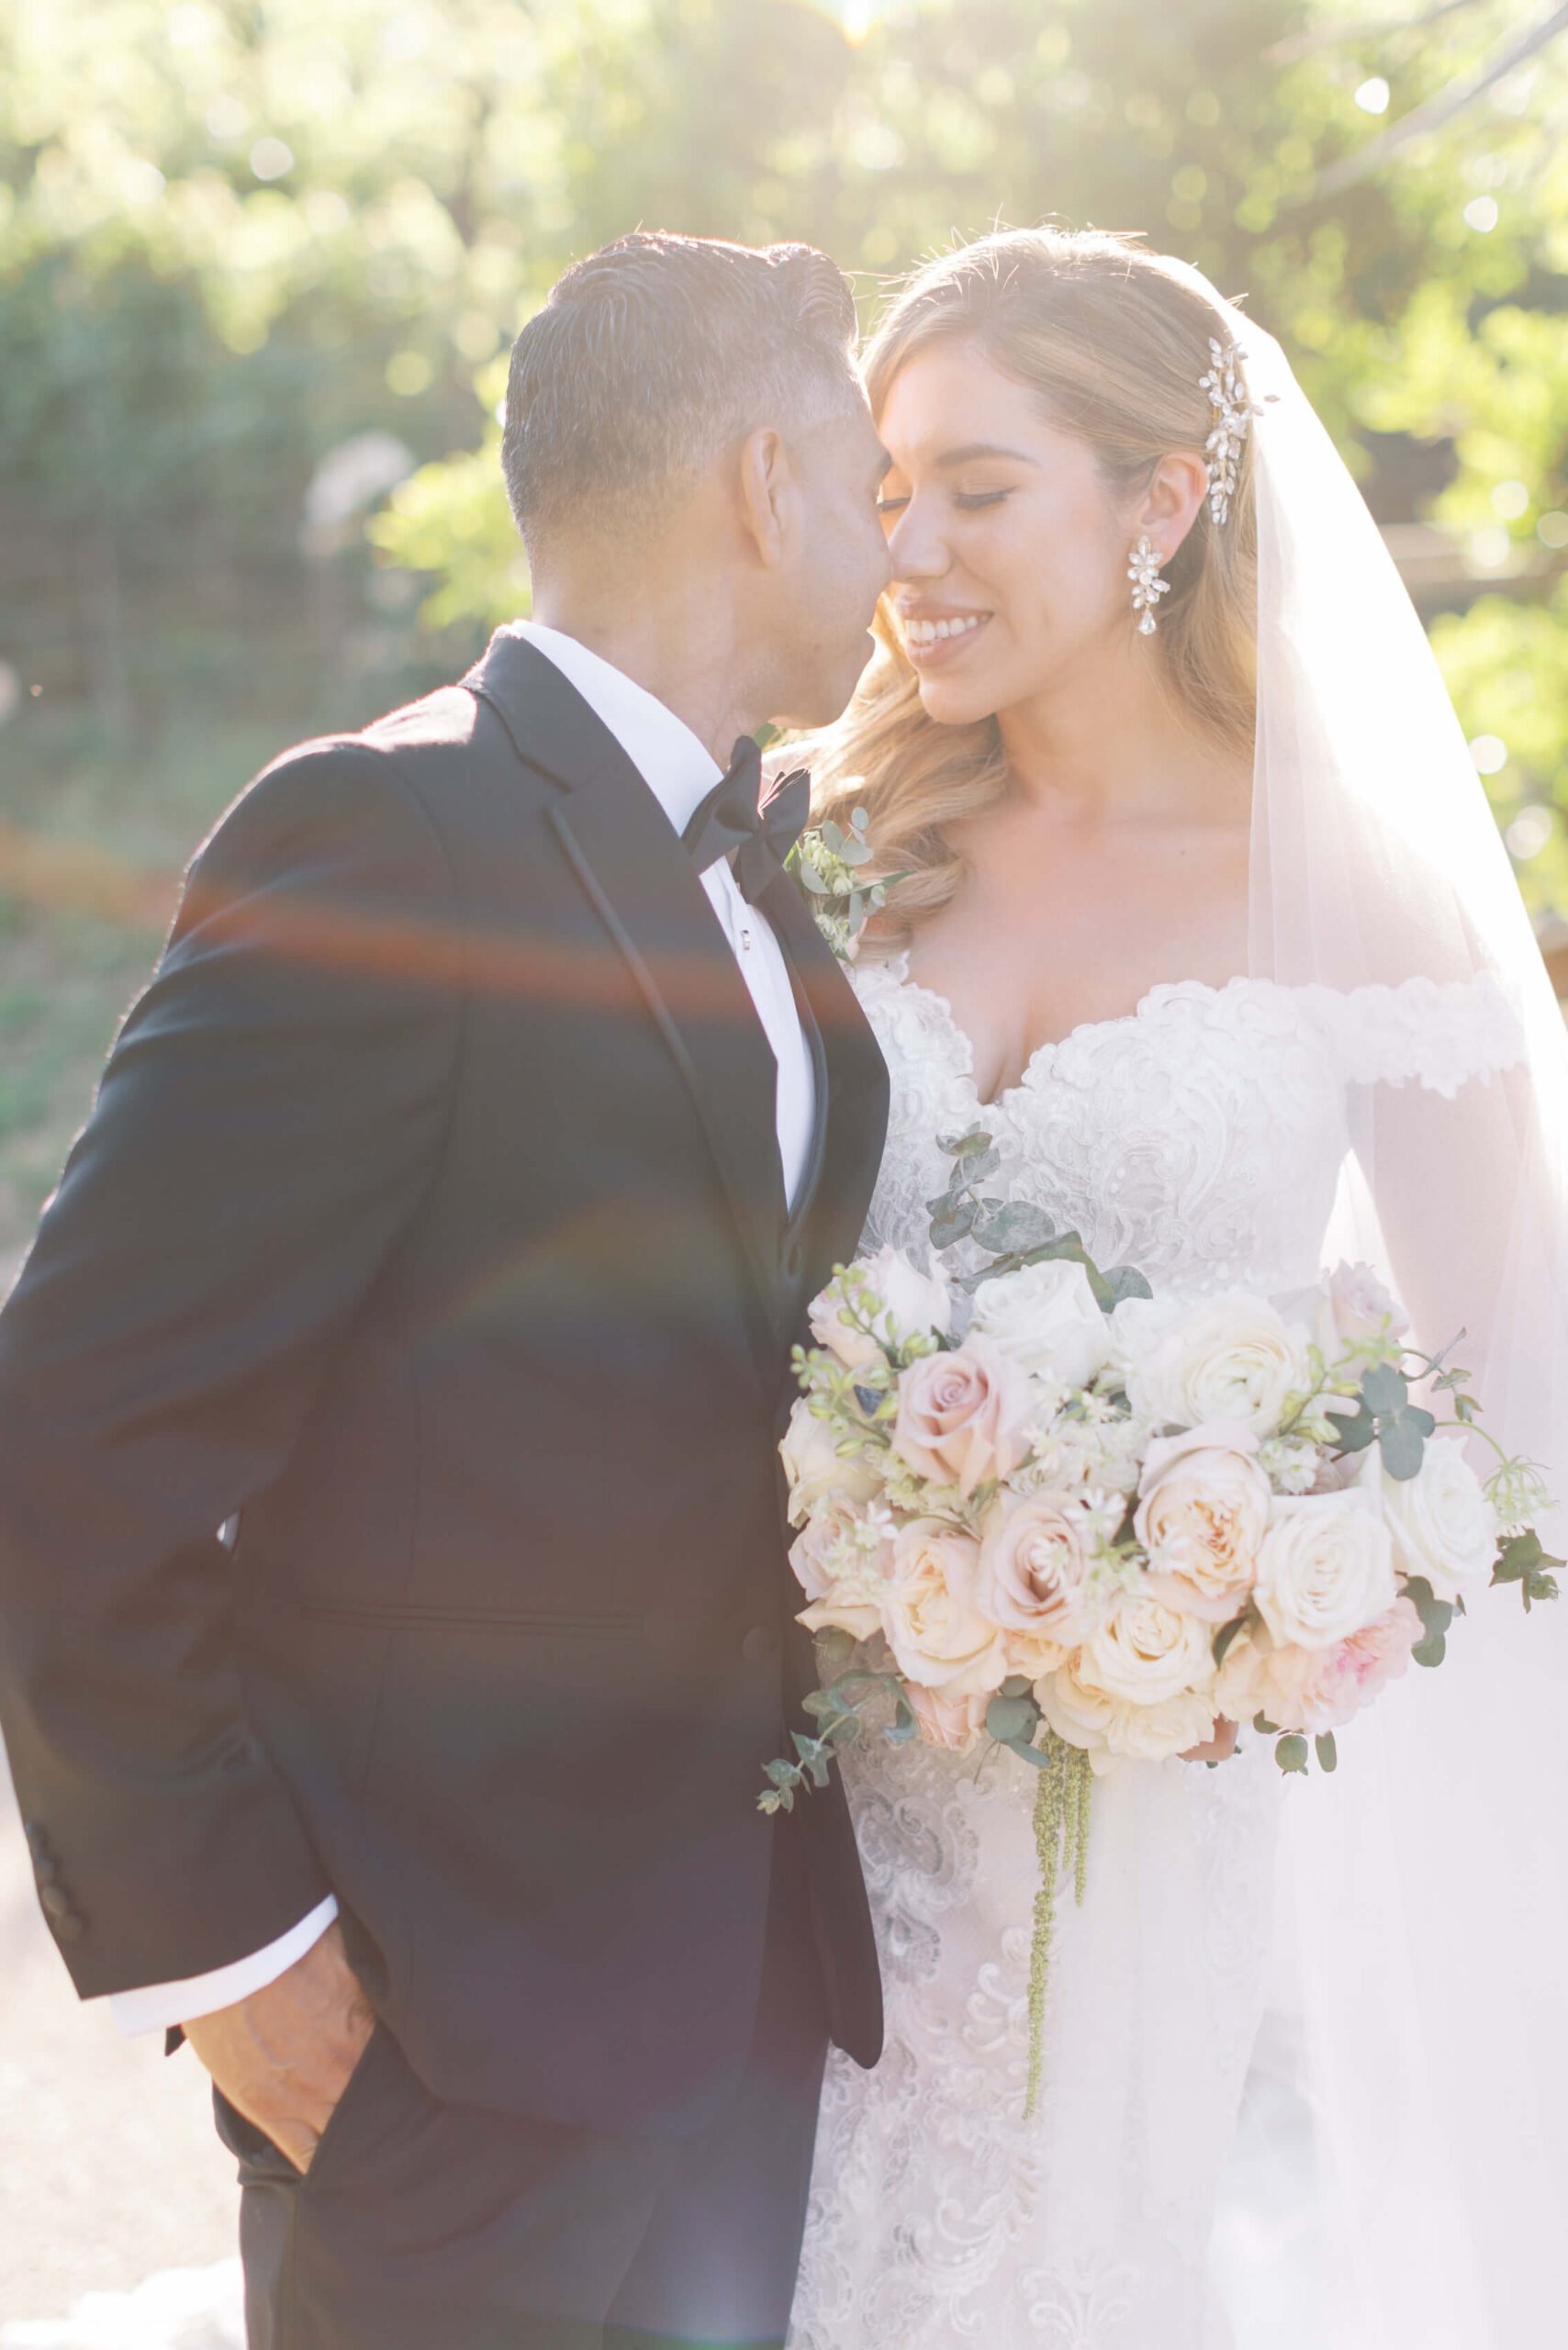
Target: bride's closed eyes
{"x":968,"y":501}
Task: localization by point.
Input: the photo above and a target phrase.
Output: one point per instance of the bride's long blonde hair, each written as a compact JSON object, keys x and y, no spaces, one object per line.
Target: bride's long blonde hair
{"x":1113,"y":345}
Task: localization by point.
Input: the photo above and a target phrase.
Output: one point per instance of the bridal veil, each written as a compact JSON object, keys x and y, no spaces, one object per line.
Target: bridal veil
{"x":1424,"y":1887}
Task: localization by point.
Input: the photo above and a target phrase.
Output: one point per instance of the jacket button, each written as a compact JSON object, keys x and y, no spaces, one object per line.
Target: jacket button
{"x":45,"y":1872}
{"x":37,"y":1842}
{"x":58,"y":1904}
{"x":70,"y":1929}
{"x":760,"y":1642}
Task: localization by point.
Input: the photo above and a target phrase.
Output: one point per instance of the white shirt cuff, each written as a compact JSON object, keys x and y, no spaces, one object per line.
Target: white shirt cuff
{"x":159,"y":2005}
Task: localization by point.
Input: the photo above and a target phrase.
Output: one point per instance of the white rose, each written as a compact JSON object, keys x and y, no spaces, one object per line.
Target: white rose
{"x":937,"y":1636}
{"x":1441,"y":1522}
{"x":816,"y":1470}
{"x":1080,"y":1714}
{"x":1154,"y":1733}
{"x":1145,"y":1653}
{"x":1222,"y":1359}
{"x":1325,"y":1568}
{"x":1204,"y":1508}
{"x":1045,"y":1318}
{"x":910,"y":1304}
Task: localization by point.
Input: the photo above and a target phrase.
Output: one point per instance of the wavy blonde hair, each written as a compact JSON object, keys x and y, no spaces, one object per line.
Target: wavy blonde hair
{"x":1114,"y":346}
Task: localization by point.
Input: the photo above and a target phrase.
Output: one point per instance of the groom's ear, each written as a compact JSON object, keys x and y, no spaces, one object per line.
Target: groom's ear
{"x":767,"y":486}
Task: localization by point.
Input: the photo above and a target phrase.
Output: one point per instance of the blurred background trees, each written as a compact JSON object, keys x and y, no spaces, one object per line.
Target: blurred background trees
{"x":261,"y":260}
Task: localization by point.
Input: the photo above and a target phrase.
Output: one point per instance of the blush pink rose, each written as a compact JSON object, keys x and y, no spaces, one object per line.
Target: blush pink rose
{"x":1033,"y":1573}
{"x":961,"y":1415}
{"x":945,"y":1720}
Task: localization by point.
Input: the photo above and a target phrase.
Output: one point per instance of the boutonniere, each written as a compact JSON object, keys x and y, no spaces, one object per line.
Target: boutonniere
{"x":827,"y":861}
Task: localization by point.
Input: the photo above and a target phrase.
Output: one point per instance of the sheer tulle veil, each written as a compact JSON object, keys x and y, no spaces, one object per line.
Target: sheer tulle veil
{"x":1425,"y":1886}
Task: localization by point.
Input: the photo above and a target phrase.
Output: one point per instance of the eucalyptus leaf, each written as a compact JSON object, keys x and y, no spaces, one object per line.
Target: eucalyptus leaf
{"x":1384,"y":1389}
{"x":834,"y":837}
{"x":1402,"y":1441}
{"x":1327,"y":1752}
{"x":903,"y":1726}
{"x":1265,"y":1727}
{"x":813,"y":881}
{"x":1225,"y":1635}
{"x":948,"y":1231}
{"x":1124,"y":1280}
{"x":1431,"y":1651}
{"x":855,"y":853}
{"x":1028,"y":1753}
{"x":861,"y":818}
{"x":1018,"y":1225}
{"x":1291,"y":1754}
{"x":1010,"y":1717}
{"x":856,"y":914}
{"x":1357,"y":1431}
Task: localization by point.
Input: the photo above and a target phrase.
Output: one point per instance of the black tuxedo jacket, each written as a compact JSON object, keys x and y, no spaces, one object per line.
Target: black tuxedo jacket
{"x":429,"y":1223}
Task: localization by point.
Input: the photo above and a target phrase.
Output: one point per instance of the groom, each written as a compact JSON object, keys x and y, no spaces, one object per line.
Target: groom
{"x":452,"y":1200}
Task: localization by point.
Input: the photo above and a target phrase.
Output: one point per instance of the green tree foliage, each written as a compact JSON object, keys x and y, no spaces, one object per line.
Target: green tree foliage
{"x":235,"y":233}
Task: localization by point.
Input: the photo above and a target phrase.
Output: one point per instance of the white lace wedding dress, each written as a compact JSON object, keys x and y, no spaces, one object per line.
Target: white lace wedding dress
{"x":1201,"y":1139}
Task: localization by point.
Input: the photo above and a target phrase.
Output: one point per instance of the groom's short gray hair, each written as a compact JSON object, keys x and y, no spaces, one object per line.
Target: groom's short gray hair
{"x":652,"y":356}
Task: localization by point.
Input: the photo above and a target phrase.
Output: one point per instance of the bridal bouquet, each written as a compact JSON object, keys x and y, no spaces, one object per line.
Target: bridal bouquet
{"x":1094,"y":1524}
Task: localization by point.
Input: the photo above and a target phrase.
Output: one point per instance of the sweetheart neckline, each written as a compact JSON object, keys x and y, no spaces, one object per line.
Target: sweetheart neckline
{"x":898,"y":966}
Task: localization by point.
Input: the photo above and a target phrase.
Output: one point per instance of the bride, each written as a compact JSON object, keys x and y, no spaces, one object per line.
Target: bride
{"x":1201,"y":917}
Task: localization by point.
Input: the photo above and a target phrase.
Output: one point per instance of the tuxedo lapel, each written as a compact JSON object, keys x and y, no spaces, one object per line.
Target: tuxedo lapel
{"x":643,"y":887}
{"x":852,"y":1084}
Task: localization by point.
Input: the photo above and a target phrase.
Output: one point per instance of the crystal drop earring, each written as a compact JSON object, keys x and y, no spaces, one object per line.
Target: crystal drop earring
{"x":1143,"y":570}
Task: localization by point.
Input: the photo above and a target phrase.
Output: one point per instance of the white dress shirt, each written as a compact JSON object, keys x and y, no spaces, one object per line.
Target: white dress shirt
{"x":678,"y":771}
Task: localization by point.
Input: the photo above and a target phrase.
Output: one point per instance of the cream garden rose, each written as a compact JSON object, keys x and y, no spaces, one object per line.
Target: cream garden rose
{"x":1441,"y":1523}
{"x":1110,"y":1730}
{"x":1325,"y":1567}
{"x":1204,"y":1507}
{"x":1045,"y":1318}
{"x":1145,"y":1653}
{"x":961,"y":1415}
{"x":1232,"y":1359}
{"x":815,"y":1468}
{"x":911,"y":1304}
{"x":936,"y":1634}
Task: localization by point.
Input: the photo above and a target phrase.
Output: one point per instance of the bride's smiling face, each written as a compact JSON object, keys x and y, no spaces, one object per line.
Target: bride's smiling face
{"x":1009,"y":550}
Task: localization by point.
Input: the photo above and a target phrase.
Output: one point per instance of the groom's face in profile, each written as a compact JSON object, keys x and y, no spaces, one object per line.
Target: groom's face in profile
{"x":837,"y":566}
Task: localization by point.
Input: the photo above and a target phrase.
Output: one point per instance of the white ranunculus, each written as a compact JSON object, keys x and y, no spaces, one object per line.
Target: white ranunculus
{"x":1145,"y":1653}
{"x":1441,"y":1522}
{"x":937,"y":1634}
{"x":816,"y":1470}
{"x":1045,"y":1318}
{"x":911,"y":1302}
{"x":1220,"y":1358}
{"x":1325,"y":1568}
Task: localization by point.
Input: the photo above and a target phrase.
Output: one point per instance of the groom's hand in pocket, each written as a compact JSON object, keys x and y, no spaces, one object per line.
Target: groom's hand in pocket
{"x":283,"y":2057}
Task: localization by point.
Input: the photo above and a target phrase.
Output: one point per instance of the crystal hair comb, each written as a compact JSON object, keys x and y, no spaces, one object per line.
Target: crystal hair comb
{"x":1234,"y":413}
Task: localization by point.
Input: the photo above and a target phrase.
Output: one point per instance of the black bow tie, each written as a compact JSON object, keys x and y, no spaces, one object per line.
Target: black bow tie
{"x":729,"y":823}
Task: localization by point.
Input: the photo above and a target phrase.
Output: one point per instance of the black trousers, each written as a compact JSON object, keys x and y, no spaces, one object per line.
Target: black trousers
{"x":424,"y":2226}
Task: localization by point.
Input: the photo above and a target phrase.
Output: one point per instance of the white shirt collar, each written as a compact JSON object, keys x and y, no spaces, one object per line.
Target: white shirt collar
{"x":678,"y":769}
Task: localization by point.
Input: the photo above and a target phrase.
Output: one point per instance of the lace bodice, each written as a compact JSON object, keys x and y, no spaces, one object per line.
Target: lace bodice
{"x":1199,"y":1139}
